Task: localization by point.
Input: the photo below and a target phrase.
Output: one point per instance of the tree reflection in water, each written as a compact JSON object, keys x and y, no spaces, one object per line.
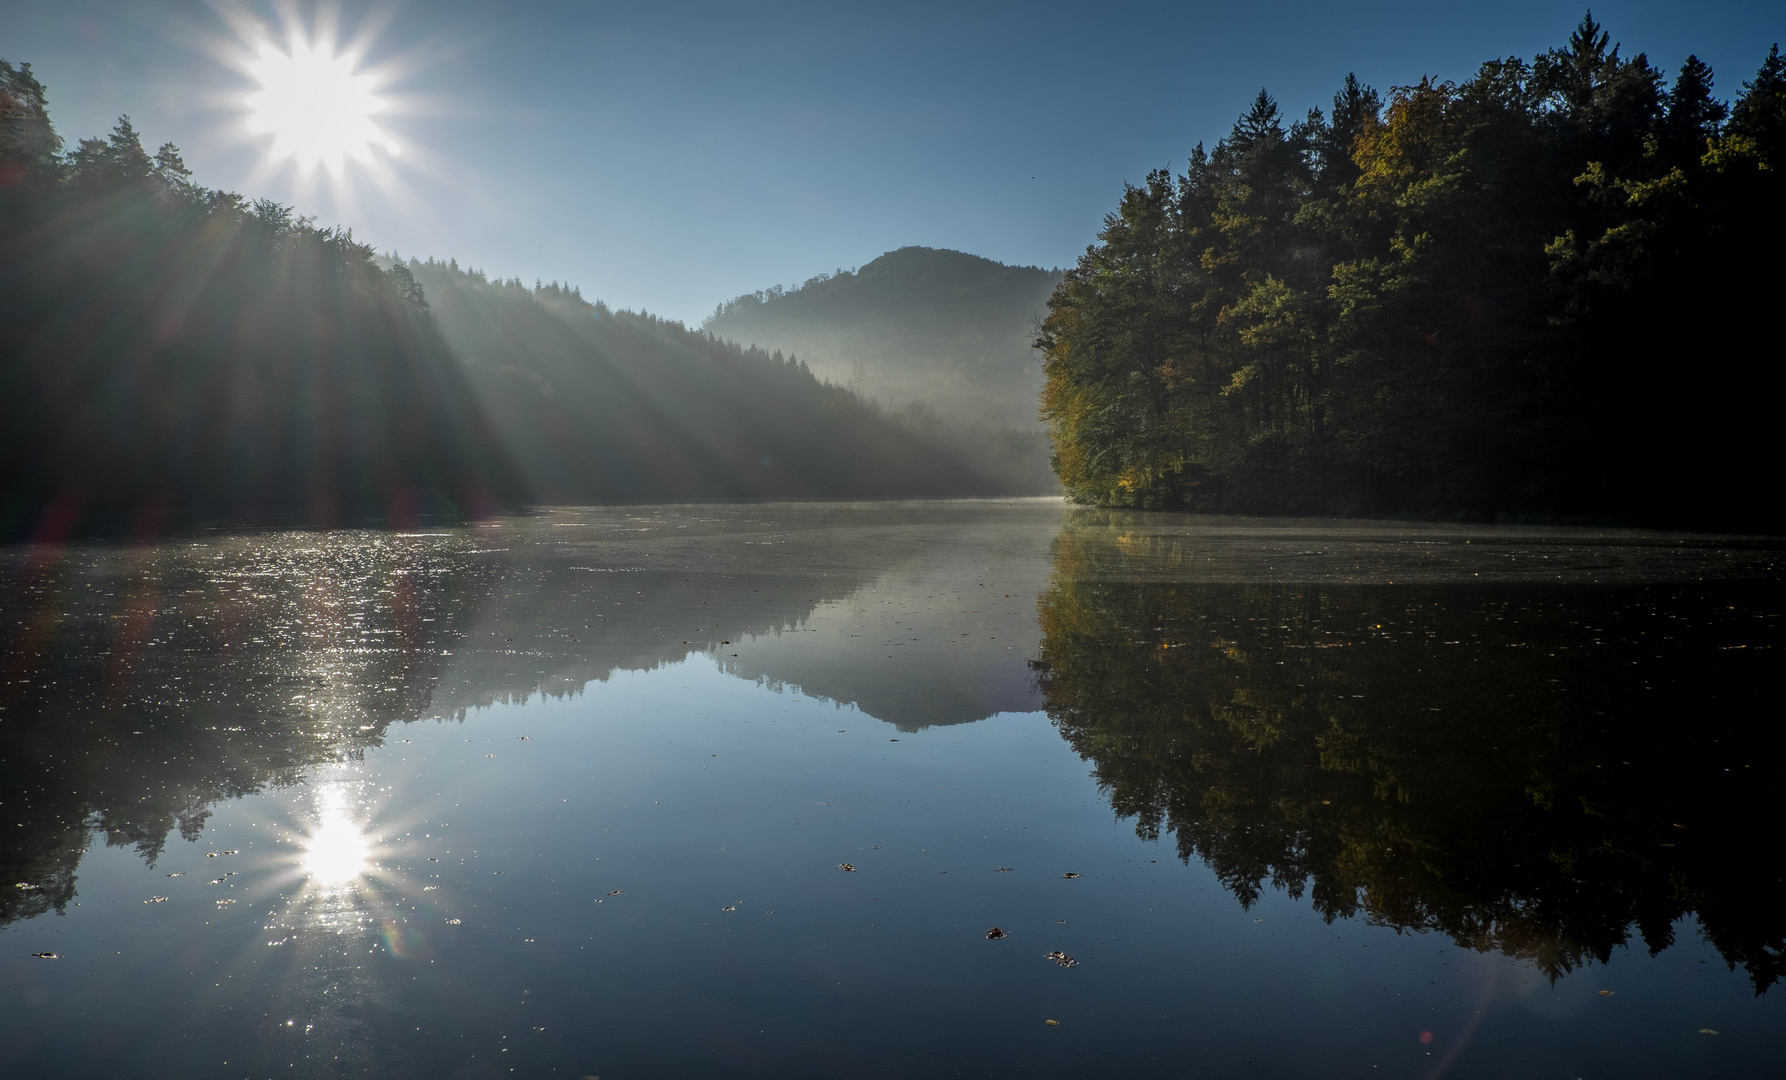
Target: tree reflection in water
{"x":1538,"y":770}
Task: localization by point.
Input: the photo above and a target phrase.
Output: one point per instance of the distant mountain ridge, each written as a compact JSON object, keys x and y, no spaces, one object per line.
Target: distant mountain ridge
{"x":597,"y":405}
{"x":943,"y":329}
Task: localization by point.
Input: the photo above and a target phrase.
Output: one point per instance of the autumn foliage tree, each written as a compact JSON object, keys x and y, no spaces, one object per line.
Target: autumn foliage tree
{"x":1475,"y":299}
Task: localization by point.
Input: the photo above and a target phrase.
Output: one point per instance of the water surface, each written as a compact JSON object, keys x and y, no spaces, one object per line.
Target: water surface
{"x":743,"y":791}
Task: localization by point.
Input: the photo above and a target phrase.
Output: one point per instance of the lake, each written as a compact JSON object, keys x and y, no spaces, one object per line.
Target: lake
{"x":982,"y":788}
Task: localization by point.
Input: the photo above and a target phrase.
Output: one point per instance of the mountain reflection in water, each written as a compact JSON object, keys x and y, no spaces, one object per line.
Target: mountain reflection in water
{"x":143,"y":683}
{"x":1525,"y":766}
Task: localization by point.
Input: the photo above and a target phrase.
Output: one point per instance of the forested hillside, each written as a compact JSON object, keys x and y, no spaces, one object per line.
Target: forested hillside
{"x":1546,"y":291}
{"x":594,"y":404}
{"x":170,"y":354}
{"x":944,"y":329}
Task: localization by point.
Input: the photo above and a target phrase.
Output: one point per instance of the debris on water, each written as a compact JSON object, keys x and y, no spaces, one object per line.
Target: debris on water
{"x":1070,"y":874}
{"x":1052,"y":1023}
{"x":524,"y":738}
{"x":232,"y":851}
{"x":1059,"y":922}
{"x":429,"y":888}
{"x":1258,"y":920}
{"x":217,"y":881}
{"x":616,"y":892}
{"x":892,"y":740}
{"x":730,"y":907}
{"x":994,"y":934}
{"x":847,"y":866}
{"x":178,"y":873}
{"x":1702,"y":1031}
{"x":211,"y":854}
{"x":1061,"y":958}
{"x":1606,"y":993}
{"x":47,"y":955}
{"x":156,"y":900}
{"x":489,"y":755}
{"x":453,"y":922}
{"x":1004,"y":869}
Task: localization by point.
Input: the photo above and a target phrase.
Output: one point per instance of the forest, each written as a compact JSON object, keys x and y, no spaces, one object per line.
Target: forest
{"x":170,"y":353}
{"x":1544,"y":293}
{"x":174,"y":356}
{"x":597,"y":405}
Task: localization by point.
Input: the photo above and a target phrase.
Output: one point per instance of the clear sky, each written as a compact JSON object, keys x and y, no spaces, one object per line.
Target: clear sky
{"x":669,"y":156}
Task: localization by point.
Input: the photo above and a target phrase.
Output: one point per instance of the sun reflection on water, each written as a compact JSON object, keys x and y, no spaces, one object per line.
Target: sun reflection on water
{"x":337,"y":853}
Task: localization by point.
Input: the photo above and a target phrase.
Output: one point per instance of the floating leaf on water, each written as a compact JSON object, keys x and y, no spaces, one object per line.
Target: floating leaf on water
{"x":994,"y":934}
{"x":1004,"y":869}
{"x":47,"y":955}
{"x":1052,"y":1023}
{"x":1606,"y":993}
{"x":846,"y":866}
{"x":1061,"y":958}
{"x":1070,"y":874}
{"x":156,"y":900}
{"x":1707,"y":1031}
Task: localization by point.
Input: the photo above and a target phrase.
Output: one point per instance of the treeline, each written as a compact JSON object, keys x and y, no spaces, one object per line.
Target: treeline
{"x":171,"y":354}
{"x":598,"y":405}
{"x":1545,"y":291}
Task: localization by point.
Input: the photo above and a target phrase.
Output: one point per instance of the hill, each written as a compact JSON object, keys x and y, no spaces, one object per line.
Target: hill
{"x":598,"y":405}
{"x":172,"y":355}
{"x":946,"y":330}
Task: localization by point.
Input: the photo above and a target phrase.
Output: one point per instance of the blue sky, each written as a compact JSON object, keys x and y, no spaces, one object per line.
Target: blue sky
{"x":670,"y":156}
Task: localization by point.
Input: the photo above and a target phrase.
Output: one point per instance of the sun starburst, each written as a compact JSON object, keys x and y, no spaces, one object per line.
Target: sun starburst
{"x":317,"y":108}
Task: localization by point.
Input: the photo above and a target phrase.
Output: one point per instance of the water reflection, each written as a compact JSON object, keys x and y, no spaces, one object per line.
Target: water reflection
{"x":337,"y":852}
{"x":141,"y":684}
{"x":1542,"y":770}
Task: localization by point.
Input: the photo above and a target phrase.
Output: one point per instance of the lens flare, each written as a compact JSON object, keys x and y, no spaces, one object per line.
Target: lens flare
{"x":316,"y":107}
{"x":337,"y":853}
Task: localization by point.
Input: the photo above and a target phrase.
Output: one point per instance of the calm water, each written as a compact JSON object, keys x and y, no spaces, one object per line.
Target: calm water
{"x":744,"y":791}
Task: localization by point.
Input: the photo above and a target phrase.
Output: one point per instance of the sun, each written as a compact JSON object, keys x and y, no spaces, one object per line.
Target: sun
{"x":318,"y":110}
